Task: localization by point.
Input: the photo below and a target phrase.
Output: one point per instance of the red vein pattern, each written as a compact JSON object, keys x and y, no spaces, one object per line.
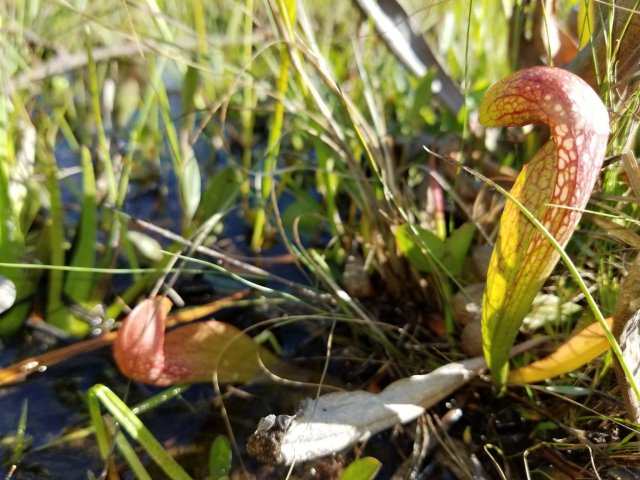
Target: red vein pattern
{"x":563,"y":172}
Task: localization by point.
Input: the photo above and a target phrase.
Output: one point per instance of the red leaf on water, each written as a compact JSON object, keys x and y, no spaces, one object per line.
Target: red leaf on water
{"x":188,"y":354}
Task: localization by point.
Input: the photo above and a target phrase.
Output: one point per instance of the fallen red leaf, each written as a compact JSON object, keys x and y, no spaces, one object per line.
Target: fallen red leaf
{"x":188,"y":354}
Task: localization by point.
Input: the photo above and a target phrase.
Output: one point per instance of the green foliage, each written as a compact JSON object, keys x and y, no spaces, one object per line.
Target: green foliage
{"x":428,"y":253}
{"x":316,"y":127}
{"x":78,"y":285}
{"x":19,"y":203}
{"x":219,"y":195}
{"x":286,"y":19}
{"x":100,"y":396}
{"x":362,"y":469}
{"x":220,"y":459}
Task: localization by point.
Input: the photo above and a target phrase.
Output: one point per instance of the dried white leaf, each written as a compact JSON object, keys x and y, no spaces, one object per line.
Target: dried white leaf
{"x":338,"y":420}
{"x":335,"y":421}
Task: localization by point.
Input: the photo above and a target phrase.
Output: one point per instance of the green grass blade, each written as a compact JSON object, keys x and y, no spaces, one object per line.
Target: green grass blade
{"x":288,"y":12}
{"x":130,"y":423}
{"x":99,"y":429}
{"x":103,"y":144}
{"x":57,"y":313}
{"x":16,"y":456}
{"x":79,"y":285}
{"x":248,"y":99}
{"x":131,"y":458}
